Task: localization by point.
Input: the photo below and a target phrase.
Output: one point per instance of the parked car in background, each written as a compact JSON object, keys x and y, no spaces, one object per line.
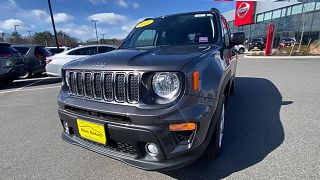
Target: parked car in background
{"x":55,"y":63}
{"x":256,"y":43}
{"x":34,"y":59}
{"x":55,"y":50}
{"x":287,"y":41}
{"x":11,"y":63}
{"x":240,"y":49}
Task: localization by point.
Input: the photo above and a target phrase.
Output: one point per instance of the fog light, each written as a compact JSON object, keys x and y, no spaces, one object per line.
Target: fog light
{"x":66,"y":127}
{"x":152,"y":149}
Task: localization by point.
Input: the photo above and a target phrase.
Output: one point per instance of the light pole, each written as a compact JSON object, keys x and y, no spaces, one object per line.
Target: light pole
{"x":103,"y":36}
{"x":54,"y":27}
{"x":15,"y":27}
{"x":95,"y":26}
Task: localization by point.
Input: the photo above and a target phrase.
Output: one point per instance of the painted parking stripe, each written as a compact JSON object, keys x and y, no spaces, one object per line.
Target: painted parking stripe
{"x":28,"y":89}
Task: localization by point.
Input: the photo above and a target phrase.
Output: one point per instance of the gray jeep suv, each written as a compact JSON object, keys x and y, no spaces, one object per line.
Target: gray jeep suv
{"x":157,"y":102}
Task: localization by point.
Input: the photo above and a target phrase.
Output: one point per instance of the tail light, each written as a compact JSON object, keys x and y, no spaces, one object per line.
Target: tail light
{"x":5,"y":55}
{"x":40,"y":55}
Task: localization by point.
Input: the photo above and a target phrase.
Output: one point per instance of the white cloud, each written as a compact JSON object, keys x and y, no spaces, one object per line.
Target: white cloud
{"x":135,"y":5}
{"x":108,"y":18}
{"x":39,"y":13}
{"x":81,"y":30}
{"x":9,"y":24}
{"x":130,"y":25}
{"x":62,"y":18}
{"x":10,"y":4}
{"x":97,"y":2}
{"x":58,"y":17}
{"x":122,"y":3}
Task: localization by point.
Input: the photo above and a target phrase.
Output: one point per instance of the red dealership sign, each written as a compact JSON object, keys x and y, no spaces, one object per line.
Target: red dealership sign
{"x":245,"y":13}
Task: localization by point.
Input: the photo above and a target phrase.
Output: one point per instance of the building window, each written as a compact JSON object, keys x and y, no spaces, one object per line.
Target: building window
{"x":267,"y":16}
{"x":276,"y":14}
{"x":283,"y":12}
{"x":289,"y":11}
{"x":309,"y":7}
{"x":297,"y":9}
{"x":318,"y":6}
{"x":260,"y":17}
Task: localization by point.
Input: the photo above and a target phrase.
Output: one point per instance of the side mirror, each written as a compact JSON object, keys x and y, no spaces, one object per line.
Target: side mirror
{"x":237,"y":38}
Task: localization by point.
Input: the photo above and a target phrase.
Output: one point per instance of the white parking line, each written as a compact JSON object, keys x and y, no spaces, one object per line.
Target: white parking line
{"x":41,"y":78}
{"x":30,"y":89}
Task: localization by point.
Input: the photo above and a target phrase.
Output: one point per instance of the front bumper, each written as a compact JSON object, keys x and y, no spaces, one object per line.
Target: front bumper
{"x":128,"y":138}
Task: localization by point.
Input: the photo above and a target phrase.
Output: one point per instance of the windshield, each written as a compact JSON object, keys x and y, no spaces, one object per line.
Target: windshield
{"x":188,"y":29}
{"x":287,"y":39}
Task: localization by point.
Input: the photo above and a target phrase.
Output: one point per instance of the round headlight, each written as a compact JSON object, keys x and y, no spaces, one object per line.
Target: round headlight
{"x":166,"y":84}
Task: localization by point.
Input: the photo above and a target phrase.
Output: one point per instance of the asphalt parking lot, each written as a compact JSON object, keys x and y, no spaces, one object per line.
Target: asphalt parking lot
{"x":272,"y":130}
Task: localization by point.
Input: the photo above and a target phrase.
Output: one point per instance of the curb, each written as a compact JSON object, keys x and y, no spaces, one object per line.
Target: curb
{"x":281,"y":57}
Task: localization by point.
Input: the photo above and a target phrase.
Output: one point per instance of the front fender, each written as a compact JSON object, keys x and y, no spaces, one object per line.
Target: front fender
{"x":213,"y":72}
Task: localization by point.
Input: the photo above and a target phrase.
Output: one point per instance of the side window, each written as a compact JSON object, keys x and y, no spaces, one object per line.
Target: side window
{"x":22,"y":50}
{"x":74,"y":52}
{"x":85,"y":51}
{"x":88,"y":51}
{"x":146,"y":38}
{"x":225,"y":30}
{"x":104,"y":49}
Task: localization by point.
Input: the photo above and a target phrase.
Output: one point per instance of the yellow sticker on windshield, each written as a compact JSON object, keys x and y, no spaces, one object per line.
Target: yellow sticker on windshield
{"x":144,"y":23}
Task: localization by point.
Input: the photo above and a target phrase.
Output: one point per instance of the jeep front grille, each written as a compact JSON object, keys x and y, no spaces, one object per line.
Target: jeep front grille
{"x":105,"y":86}
{"x":88,"y":85}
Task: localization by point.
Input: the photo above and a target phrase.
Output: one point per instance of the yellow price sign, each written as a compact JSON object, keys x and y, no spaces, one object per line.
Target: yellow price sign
{"x":144,"y":23}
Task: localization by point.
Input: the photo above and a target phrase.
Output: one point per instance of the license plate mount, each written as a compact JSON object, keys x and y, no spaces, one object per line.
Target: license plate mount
{"x":92,"y":131}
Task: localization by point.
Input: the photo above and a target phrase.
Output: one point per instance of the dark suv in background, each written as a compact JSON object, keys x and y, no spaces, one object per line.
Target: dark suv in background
{"x":257,"y":43}
{"x":34,"y":59}
{"x":11,"y":63}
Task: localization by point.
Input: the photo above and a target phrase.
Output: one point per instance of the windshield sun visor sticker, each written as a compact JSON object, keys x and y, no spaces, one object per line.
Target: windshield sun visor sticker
{"x":144,"y":23}
{"x":203,"y":39}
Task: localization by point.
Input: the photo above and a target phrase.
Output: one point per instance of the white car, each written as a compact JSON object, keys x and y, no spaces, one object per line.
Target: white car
{"x":55,"y":63}
{"x":240,"y":49}
{"x":54,"y":50}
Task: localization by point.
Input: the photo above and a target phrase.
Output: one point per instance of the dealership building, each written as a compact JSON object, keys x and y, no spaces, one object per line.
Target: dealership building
{"x":290,"y":19}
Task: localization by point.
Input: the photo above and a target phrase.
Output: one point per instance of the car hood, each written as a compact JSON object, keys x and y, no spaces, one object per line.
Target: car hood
{"x":165,"y":58}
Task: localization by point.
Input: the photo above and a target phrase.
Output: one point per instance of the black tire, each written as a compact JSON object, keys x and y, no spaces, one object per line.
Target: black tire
{"x":241,"y":51}
{"x":7,"y":81}
{"x":27,"y":74}
{"x":215,"y":145}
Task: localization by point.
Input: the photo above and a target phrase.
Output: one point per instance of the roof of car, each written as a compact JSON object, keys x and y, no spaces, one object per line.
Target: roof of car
{"x":5,"y":43}
{"x":80,"y":47}
{"x":27,"y":45}
{"x":92,"y":45}
{"x":187,"y":13}
{"x":56,"y":46}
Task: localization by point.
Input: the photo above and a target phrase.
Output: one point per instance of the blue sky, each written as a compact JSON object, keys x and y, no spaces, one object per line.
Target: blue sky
{"x":116,"y":17}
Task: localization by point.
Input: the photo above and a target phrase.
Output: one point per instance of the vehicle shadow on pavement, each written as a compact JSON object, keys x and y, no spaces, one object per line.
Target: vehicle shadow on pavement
{"x":29,"y":83}
{"x":253,"y":129}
